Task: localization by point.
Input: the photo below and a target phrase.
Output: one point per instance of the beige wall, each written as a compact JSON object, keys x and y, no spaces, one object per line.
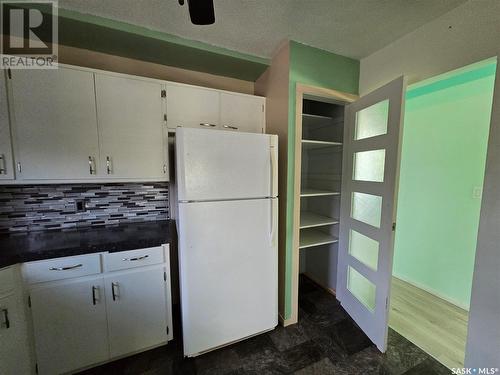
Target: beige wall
{"x":433,"y":49}
{"x":98,"y":60}
{"x":436,"y":48}
{"x":273,"y":84}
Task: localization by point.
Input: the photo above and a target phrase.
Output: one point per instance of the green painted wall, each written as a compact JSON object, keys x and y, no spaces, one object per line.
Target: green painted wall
{"x":316,"y":67}
{"x":443,"y":159}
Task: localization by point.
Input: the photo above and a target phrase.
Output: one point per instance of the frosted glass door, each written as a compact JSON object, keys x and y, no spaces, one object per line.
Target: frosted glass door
{"x":368,"y":210}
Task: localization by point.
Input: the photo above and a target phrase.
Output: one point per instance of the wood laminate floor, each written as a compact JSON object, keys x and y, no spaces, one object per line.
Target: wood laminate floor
{"x":433,"y":324}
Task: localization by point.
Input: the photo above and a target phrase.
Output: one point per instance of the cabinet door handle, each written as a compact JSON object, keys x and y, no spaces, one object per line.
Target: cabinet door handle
{"x":66,"y":268}
{"x":3,"y":166}
{"x":207,"y":124}
{"x":6,"y":321}
{"x":230,"y":127}
{"x":113,"y":293}
{"x":19,"y":168}
{"x":135,"y":259}
{"x":94,"y":298}
{"x":91,"y":165}
{"x":108,"y":165}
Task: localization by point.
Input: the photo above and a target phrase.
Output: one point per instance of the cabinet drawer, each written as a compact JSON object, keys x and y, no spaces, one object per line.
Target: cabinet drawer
{"x":133,"y":258}
{"x":7,"y":280}
{"x":62,"y":268}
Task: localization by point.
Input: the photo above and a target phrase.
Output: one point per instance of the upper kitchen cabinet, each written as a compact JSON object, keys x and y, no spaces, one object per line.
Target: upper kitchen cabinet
{"x":132,"y":134}
{"x":54,"y":124}
{"x":192,"y":107}
{"x":198,"y":107}
{"x":240,"y":112}
{"x":6,"y":162}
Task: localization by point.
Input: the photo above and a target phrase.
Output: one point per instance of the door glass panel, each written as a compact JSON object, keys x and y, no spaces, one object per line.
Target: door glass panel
{"x":362,"y":288}
{"x":364,"y":249}
{"x":372,"y":121}
{"x":369,"y":165}
{"x":366,"y":208}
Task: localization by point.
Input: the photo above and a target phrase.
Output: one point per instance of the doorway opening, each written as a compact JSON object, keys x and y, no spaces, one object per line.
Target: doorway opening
{"x":318,"y":178}
{"x":446,"y":126}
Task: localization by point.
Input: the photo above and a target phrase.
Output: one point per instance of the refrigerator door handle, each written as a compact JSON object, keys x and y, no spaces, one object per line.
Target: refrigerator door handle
{"x":273,"y":170}
{"x":274,"y":214}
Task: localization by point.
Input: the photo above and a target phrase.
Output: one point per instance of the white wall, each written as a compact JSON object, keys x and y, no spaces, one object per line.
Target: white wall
{"x":433,"y":49}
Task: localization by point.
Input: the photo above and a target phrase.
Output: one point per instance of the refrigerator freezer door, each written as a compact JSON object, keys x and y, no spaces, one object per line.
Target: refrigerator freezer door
{"x":221,"y":165}
{"x":228,"y":261}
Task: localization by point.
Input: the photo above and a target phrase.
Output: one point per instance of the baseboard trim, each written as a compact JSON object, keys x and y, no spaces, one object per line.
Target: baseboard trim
{"x":315,"y":281}
{"x":432,"y":291}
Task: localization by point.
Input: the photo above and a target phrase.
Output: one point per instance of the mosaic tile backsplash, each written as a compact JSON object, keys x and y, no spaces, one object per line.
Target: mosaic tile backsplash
{"x":28,"y":208}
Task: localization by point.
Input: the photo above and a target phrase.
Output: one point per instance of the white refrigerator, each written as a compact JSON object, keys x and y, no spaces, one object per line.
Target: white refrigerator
{"x":227,"y":228}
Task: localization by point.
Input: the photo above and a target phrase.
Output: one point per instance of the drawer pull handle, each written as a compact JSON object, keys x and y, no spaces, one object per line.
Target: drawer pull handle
{"x":108,"y":165}
{"x":94,"y":298}
{"x":207,"y":124}
{"x":135,"y":259}
{"x":6,"y":321}
{"x":3,"y":168}
{"x":91,"y":165}
{"x":230,"y":127}
{"x":114,"y":294}
{"x":66,"y":268}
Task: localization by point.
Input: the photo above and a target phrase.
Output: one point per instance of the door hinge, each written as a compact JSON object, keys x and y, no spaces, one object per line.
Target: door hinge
{"x":9,"y":73}
{"x":393,"y":227}
{"x":165,"y":276}
{"x":29,"y":302}
{"x":165,"y":117}
{"x":163,"y":93}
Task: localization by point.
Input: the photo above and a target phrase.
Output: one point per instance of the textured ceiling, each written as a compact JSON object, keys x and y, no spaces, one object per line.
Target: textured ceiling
{"x":353,"y":28}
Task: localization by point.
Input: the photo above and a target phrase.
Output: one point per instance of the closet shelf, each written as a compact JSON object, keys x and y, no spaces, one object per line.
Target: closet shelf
{"x":311,"y":116}
{"x":310,"y":220}
{"x":306,"y":192}
{"x":312,"y":237}
{"x":309,"y":143}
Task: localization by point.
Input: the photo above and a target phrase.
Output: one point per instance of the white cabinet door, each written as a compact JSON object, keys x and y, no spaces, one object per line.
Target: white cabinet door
{"x":6,"y":162}
{"x":242,"y":112}
{"x":192,"y":107}
{"x":137,"y":313}
{"x":14,"y":347}
{"x":70,"y":325}
{"x":130,"y":117}
{"x":54,"y":123}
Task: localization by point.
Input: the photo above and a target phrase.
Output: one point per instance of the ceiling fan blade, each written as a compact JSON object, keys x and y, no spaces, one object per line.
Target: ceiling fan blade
{"x":202,"y":12}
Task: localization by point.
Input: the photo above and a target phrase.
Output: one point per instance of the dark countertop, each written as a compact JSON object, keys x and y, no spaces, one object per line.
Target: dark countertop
{"x":26,"y":247}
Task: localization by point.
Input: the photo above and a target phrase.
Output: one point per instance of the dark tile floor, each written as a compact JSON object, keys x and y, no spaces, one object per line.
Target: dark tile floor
{"x":325,"y":341}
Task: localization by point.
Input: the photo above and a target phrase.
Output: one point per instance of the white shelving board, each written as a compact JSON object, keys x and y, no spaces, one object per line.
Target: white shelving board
{"x":306,"y":192}
{"x":310,"y":220}
{"x":314,"y":237}
{"x":311,"y":143}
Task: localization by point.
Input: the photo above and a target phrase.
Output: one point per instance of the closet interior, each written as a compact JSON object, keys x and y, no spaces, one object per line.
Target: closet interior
{"x":321,"y":175}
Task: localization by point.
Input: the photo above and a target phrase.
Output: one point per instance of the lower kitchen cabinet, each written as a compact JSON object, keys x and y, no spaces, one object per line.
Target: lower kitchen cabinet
{"x":136,"y":303}
{"x":96,"y":316}
{"x":14,"y":347}
{"x":70,"y":325}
